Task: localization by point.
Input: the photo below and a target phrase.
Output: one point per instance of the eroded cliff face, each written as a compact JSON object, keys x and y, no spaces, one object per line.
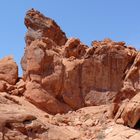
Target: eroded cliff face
{"x":70,"y":75}
{"x":62,"y":75}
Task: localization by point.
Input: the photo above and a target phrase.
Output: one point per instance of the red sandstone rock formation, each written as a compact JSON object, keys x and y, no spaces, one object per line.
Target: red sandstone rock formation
{"x":40,"y":26}
{"x":8,"y":71}
{"x":71,"y":75}
{"x":62,"y":75}
{"x":20,"y":120}
{"x":8,"y":74}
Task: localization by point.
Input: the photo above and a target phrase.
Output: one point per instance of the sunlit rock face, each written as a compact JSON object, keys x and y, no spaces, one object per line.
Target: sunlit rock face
{"x":69,"y":89}
{"x":65,"y":74}
{"x":40,"y":26}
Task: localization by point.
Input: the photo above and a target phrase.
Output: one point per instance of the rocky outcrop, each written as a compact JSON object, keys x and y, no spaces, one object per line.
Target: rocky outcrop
{"x":104,"y":71}
{"x":70,"y":75}
{"x":129,"y":112}
{"x":62,"y":77}
{"x":40,"y":26}
{"x":20,"y":120}
{"x":8,"y":74}
{"x":131,"y":85}
{"x":9,"y":80}
{"x":16,"y":120}
{"x":8,"y":70}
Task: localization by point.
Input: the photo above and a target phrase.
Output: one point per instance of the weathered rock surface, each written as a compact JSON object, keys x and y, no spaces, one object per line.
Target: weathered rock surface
{"x":20,"y":120}
{"x":131,"y":112}
{"x":8,"y":74}
{"x":74,"y":91}
{"x":128,"y":112}
{"x":72,"y":74}
{"x":8,"y":70}
{"x":40,"y":26}
{"x":131,"y":84}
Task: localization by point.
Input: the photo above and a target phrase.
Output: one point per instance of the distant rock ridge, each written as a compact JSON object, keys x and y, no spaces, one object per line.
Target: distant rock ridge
{"x":62,"y":74}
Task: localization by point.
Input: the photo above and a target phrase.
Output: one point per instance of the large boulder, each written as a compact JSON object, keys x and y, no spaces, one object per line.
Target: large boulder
{"x":131,"y":113}
{"x":8,"y":71}
{"x":42,"y":99}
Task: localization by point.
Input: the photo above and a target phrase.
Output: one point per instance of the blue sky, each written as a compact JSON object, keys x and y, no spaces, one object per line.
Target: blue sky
{"x":85,"y":19}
